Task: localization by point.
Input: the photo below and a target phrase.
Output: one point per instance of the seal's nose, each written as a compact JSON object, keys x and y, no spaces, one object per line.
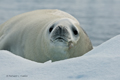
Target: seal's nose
{"x":60,"y":33}
{"x":60,"y":30}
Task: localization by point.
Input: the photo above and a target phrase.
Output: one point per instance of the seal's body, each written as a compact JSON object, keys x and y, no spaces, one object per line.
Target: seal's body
{"x":44,"y":35}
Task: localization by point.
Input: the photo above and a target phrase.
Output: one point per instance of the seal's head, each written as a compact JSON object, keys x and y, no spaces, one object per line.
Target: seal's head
{"x":63,"y":35}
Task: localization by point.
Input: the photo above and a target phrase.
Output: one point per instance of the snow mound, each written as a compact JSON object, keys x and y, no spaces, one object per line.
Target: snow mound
{"x":108,"y":48}
{"x":101,"y":63}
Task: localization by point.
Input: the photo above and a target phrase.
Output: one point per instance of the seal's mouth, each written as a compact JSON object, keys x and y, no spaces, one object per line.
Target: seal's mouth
{"x":59,"y":39}
{"x":62,"y":40}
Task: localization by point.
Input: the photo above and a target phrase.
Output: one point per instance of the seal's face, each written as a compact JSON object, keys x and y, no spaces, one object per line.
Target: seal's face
{"x":62,"y":37}
{"x":63,"y":33}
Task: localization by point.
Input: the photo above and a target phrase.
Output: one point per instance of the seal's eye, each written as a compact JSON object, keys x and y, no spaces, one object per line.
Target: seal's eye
{"x":51,"y":28}
{"x":75,"y":31}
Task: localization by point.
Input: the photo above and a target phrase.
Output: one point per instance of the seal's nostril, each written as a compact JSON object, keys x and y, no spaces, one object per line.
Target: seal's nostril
{"x":60,"y":29}
{"x":59,"y":26}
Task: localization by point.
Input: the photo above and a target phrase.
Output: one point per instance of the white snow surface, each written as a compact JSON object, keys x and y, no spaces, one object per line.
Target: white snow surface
{"x":101,"y":63}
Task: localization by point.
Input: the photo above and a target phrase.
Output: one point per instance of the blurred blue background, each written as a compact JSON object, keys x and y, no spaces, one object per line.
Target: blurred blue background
{"x":99,"y":18}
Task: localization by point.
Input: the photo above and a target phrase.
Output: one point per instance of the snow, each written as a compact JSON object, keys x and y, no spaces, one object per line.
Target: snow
{"x":101,"y":63}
